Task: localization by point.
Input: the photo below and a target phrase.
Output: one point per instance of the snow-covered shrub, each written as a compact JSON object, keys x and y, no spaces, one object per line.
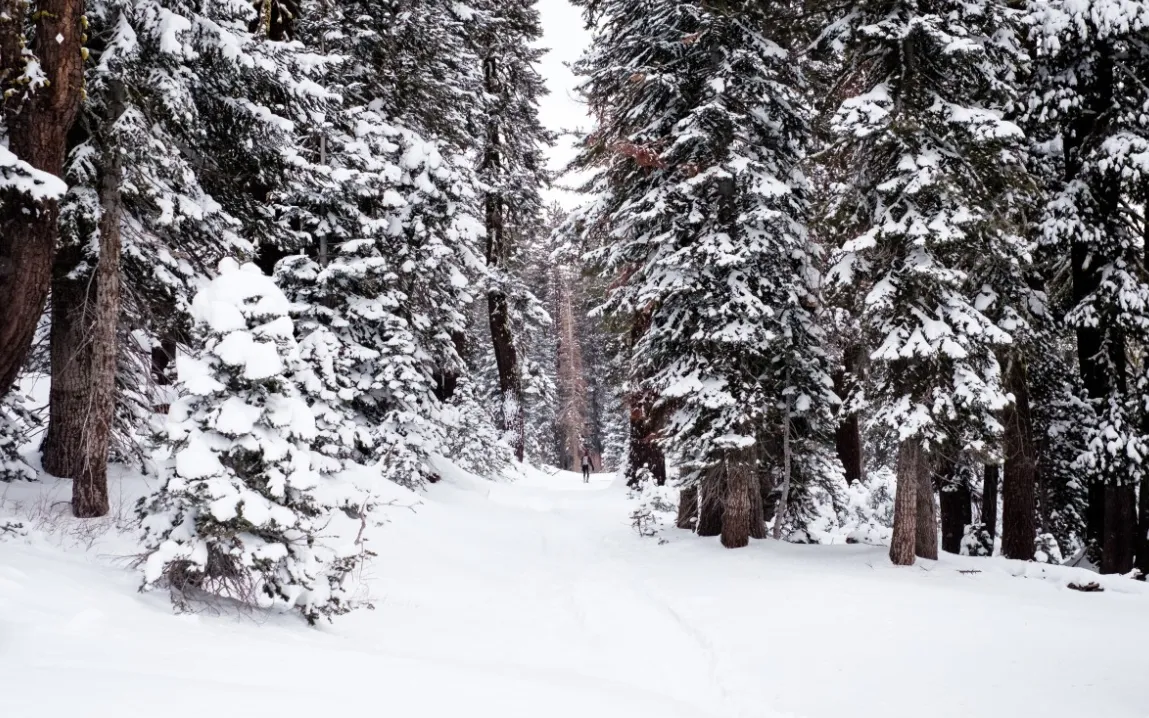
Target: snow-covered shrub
{"x":241,"y":512}
{"x":657,"y":506}
{"x":863,"y":512}
{"x":1046,"y":549}
{"x":977,"y":541}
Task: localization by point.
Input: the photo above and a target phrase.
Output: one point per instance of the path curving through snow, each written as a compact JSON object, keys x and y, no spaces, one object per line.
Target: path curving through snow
{"x":536,"y":598}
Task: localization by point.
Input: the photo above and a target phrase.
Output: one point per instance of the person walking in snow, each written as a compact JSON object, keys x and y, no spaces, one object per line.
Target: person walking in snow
{"x":586,"y":465}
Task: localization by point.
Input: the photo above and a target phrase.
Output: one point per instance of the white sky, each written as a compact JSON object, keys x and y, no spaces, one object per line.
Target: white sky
{"x":563,"y":33}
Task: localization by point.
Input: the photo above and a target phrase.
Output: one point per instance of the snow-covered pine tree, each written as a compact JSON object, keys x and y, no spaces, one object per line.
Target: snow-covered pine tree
{"x":1088,"y":111}
{"x":923,"y":153}
{"x":701,"y":123}
{"x":170,"y":84}
{"x":381,"y":292}
{"x":242,"y":513}
{"x":512,"y":171}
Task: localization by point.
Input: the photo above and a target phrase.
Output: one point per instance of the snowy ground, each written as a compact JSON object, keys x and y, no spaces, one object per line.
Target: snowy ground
{"x":537,"y":599}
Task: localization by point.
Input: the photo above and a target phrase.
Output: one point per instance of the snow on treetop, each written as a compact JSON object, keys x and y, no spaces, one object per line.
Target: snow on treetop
{"x":237,"y":295}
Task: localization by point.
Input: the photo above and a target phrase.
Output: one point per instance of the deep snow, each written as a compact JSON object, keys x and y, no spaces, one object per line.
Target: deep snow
{"x":536,"y":598}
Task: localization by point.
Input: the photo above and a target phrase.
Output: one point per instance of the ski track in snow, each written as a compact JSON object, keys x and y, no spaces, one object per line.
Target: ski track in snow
{"x":536,"y":598}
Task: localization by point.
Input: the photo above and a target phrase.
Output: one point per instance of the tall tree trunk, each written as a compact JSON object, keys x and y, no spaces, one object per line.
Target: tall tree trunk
{"x":1143,"y":529}
{"x":989,"y":499}
{"x":710,"y":503}
{"x":512,"y":411}
{"x":644,"y":452}
{"x":573,"y":409}
{"x":911,"y":464}
{"x":85,"y":312}
{"x":38,"y":126}
{"x":1019,"y":481}
{"x":926,"y":526}
{"x":848,"y":435}
{"x":1120,"y":538}
{"x":757,"y":500}
{"x":954,"y":504}
{"x":784,"y":495}
{"x":738,"y":505}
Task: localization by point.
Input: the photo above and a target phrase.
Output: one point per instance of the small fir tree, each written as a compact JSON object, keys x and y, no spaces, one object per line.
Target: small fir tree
{"x":242,"y":513}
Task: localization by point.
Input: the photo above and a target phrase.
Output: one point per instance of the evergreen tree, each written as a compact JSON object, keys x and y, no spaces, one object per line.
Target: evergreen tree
{"x":701,"y":125}
{"x":512,"y":172}
{"x":921,"y":218}
{"x":382,"y":288}
{"x":1088,"y":113}
{"x":240,"y":513}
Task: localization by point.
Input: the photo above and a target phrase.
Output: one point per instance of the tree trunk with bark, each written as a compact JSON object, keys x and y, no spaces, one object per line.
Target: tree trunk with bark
{"x":1120,"y":537}
{"x":710,"y":504}
{"x":954,"y":504}
{"x":926,"y":526}
{"x":1019,"y":480}
{"x":989,"y":499}
{"x":1142,"y":562}
{"x":687,"y":508}
{"x":85,"y":312}
{"x":512,"y":411}
{"x":848,"y":435}
{"x":911,"y":463}
{"x":738,"y":505}
{"x":38,"y":121}
{"x":643,"y":452}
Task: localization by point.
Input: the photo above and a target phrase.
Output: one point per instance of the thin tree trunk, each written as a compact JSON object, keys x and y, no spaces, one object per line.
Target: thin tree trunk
{"x":954,"y":505}
{"x":85,"y":312}
{"x":738,"y":506}
{"x":784,"y":496}
{"x":848,"y":435}
{"x":911,"y":463}
{"x":1019,"y":481}
{"x":1143,"y":529}
{"x":757,"y":504}
{"x":37,"y":129}
{"x":989,"y":499}
{"x":926,"y":526}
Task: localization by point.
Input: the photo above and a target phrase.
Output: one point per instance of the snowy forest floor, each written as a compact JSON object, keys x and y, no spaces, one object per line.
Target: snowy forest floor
{"x":536,"y":598}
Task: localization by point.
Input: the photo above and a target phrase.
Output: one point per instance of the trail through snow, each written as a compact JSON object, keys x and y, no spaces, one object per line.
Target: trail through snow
{"x":536,"y":598}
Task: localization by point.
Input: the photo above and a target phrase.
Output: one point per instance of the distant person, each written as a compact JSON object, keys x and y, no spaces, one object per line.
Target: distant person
{"x":586,"y":465}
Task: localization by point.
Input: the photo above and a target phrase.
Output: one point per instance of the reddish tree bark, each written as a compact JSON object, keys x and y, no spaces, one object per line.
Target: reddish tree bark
{"x":911,"y":464}
{"x":38,"y":125}
{"x":1019,"y":481}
